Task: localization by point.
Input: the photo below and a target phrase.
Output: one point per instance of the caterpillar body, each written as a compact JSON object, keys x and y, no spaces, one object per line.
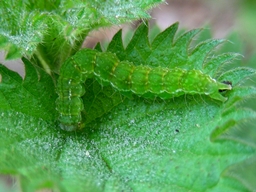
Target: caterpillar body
{"x":145,"y":81}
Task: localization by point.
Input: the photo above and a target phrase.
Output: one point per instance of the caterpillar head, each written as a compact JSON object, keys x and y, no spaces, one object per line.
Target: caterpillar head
{"x":219,"y":88}
{"x":227,"y":83}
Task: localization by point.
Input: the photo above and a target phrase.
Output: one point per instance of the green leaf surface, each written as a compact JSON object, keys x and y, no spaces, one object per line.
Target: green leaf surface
{"x":189,"y":143}
{"x":18,"y":94}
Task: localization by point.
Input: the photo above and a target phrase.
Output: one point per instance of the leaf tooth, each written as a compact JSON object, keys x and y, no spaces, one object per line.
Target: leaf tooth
{"x":116,"y":46}
{"x":98,"y":47}
{"x":3,"y":41}
{"x":31,"y":70}
{"x":239,"y":95}
{"x":214,"y":64}
{"x":237,"y":75}
{"x":237,"y":114}
{"x":179,"y":51}
{"x":199,"y":54}
{"x":13,"y":52}
{"x":243,"y":92}
{"x":231,"y":118}
{"x":138,"y":50}
{"x":244,"y":171}
{"x":184,"y":40}
{"x":165,"y":37}
{"x":6,"y":80}
{"x":139,"y":41}
{"x":116,"y":41}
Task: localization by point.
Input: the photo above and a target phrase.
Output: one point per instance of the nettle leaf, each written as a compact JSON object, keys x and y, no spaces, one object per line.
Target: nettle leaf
{"x":21,"y":30}
{"x":52,"y":30}
{"x":18,"y":94}
{"x":186,"y":143}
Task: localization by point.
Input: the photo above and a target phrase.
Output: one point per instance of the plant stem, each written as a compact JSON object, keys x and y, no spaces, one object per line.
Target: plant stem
{"x":43,"y":62}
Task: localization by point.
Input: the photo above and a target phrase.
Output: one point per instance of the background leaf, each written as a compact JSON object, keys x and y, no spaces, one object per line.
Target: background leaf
{"x":51,"y":31}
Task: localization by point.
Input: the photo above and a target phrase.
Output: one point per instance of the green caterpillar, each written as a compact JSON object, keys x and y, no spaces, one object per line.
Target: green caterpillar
{"x":145,"y":81}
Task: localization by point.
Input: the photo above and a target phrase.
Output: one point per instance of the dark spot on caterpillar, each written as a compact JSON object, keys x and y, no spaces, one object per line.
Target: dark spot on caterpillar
{"x":227,"y":83}
{"x":177,"y":130}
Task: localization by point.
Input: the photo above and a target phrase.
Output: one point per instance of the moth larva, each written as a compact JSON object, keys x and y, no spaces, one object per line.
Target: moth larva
{"x":141,"y":80}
